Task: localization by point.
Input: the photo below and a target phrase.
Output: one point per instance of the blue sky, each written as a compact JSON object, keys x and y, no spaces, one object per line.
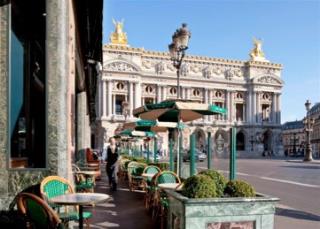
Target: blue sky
{"x":289,"y":29}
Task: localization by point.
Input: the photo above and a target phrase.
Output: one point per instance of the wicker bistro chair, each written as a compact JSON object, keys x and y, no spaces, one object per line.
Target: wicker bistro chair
{"x":160,"y":200}
{"x":149,"y":184}
{"x":53,"y":186}
{"x":135,"y":179}
{"x":82,"y":183}
{"x":38,"y":212}
{"x":123,"y":169}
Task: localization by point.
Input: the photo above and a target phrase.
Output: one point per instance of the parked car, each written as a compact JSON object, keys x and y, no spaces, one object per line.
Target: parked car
{"x":199,"y":156}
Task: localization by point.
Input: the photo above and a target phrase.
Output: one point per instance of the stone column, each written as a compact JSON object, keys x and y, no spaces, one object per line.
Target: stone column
{"x":279,"y":108}
{"x":137,"y":95}
{"x":258,"y":108}
{"x":109,"y":98}
{"x":254,"y":107}
{"x":183,"y":94}
{"x":227,"y":105}
{"x":103,"y":99}
{"x":165,"y":93}
{"x":248,"y":105}
{"x":130,"y":99}
{"x":158,"y":94}
{"x":274,"y":108}
{"x":210,"y":102}
{"x":113,"y":104}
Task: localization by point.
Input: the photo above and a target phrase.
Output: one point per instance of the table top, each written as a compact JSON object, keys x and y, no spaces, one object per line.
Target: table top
{"x":148,"y":175}
{"x":80,"y":198}
{"x":173,"y":186}
{"x":90,"y":173}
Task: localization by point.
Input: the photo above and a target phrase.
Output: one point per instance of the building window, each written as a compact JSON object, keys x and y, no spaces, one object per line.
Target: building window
{"x":239,"y":112}
{"x":173,"y":91}
{"x":265,"y":112}
{"x":240,"y":141}
{"x":266,"y":96}
{"x":196,"y":92}
{"x":239,"y":95}
{"x":149,"y":89}
{"x":148,"y":100}
{"x":120,"y":86}
{"x":218,"y":94}
{"x":27,"y":85}
{"x":119,"y":101}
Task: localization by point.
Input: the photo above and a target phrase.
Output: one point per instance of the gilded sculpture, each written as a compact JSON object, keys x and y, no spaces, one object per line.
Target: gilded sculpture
{"x":257,"y":53}
{"x":118,"y":37}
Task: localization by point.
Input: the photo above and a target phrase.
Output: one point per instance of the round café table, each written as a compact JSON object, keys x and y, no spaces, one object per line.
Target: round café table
{"x":80,"y":199}
{"x":148,"y":175}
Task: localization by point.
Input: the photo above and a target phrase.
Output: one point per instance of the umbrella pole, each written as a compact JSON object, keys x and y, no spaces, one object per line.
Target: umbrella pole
{"x":148,"y":160}
{"x":233,"y":154}
{"x":171,"y":155}
{"x":192,"y":154}
{"x":155,"y":149}
{"x":180,"y":152}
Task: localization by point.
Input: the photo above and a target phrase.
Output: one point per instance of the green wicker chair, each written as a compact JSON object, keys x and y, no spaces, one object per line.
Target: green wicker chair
{"x":149,"y":184}
{"x":123,"y":168}
{"x":82,"y":184}
{"x":53,"y":186}
{"x":160,"y":200}
{"x":38,"y":212}
{"x":135,"y":169}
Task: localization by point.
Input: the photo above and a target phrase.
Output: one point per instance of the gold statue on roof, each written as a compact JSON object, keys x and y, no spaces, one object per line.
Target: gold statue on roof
{"x":256,"y":53}
{"x":118,"y":37}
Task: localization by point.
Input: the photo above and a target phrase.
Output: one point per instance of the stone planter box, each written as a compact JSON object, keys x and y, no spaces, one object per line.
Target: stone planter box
{"x":220,"y":213}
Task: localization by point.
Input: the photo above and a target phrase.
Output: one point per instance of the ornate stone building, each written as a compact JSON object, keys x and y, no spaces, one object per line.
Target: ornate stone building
{"x":293,"y":138}
{"x":250,"y":90}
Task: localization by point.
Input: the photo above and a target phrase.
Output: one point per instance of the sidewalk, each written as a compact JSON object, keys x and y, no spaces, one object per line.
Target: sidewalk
{"x":124,"y":210}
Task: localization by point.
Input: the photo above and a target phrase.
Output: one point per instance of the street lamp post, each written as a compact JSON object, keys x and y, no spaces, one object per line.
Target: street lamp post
{"x":177,"y":48}
{"x":308,"y":124}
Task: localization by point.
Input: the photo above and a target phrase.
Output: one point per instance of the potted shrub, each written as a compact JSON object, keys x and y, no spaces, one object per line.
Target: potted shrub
{"x":208,"y":201}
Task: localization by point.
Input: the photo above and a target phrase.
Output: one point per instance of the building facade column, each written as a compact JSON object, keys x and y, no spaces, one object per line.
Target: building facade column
{"x":279,"y":108}
{"x":109,"y":98}
{"x":274,"y":108}
{"x":137,"y":95}
{"x":158,"y":94}
{"x":254,"y":107}
{"x":113,"y":104}
{"x":258,"y":116}
{"x":130,"y":100}
{"x":248,"y":106}
{"x":103,"y":102}
{"x":164,"y":93}
{"x":210,"y":102}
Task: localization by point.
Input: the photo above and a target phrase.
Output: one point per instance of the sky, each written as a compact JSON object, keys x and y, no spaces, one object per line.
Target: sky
{"x":290,"y":31}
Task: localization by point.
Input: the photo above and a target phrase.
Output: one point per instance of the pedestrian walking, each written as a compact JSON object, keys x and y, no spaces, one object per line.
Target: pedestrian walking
{"x":112,"y":163}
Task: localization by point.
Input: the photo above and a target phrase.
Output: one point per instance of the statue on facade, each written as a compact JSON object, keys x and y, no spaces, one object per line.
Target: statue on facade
{"x":118,"y":37}
{"x":256,"y":53}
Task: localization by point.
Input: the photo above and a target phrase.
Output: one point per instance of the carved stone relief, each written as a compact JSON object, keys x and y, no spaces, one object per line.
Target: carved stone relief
{"x":206,"y":72}
{"x":184,"y":69}
{"x":268,"y":79}
{"x":159,"y":68}
{"x":121,"y":67}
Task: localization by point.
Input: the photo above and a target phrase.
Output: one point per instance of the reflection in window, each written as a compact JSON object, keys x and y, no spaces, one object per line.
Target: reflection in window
{"x":27,"y":85}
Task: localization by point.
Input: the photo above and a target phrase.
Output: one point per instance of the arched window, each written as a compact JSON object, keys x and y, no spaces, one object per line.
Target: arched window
{"x":239,"y":95}
{"x":218,"y":94}
{"x":149,"y":89}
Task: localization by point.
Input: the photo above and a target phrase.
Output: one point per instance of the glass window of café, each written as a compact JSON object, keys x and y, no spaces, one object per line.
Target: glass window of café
{"x":27,"y":84}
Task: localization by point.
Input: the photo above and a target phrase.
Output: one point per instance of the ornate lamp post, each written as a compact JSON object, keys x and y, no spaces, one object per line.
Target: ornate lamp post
{"x":177,"y":48}
{"x":308,"y":124}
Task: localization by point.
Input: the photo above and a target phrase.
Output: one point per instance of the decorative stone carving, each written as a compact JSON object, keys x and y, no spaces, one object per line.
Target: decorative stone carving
{"x":159,"y":68}
{"x":206,"y":72}
{"x":184,"y":69}
{"x":229,"y":74}
{"x":195,"y":68}
{"x":268,"y":79}
{"x":170,"y":66}
{"x":147,"y":64}
{"x":217,"y":71}
{"x":121,"y":67}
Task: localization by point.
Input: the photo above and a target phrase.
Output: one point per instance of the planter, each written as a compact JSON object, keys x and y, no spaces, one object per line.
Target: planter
{"x":218,"y":213}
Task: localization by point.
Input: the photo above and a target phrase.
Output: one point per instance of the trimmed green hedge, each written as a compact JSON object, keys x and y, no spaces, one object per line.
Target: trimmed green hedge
{"x":239,"y":188}
{"x":219,"y":180}
{"x":199,"y":186}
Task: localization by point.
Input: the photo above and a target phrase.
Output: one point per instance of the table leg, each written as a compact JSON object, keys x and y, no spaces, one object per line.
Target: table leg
{"x":80,"y":217}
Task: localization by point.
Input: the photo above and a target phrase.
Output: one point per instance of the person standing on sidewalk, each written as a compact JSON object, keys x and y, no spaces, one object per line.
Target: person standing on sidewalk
{"x":112,"y":163}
